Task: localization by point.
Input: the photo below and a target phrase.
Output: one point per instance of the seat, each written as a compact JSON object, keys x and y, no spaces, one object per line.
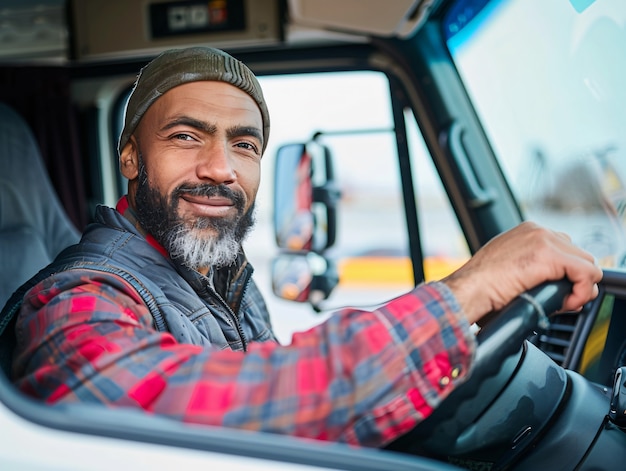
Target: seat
{"x":34,"y":227}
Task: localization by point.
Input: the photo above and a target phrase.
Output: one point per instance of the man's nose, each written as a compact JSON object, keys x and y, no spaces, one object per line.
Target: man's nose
{"x":215,"y":165}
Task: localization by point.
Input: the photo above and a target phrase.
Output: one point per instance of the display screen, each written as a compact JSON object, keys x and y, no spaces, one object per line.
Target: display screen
{"x":180,"y":18}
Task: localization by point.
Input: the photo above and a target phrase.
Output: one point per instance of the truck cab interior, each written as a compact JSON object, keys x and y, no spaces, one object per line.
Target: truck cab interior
{"x":440,"y":122}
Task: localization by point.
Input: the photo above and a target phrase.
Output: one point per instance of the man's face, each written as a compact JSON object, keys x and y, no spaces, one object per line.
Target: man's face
{"x":194,"y":170}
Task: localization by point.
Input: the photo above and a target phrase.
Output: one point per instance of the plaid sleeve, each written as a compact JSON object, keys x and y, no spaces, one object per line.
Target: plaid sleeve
{"x":361,"y":377}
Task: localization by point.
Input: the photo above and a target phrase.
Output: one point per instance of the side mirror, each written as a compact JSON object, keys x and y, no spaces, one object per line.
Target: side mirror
{"x":304,"y":277}
{"x":305,"y":201}
{"x":293,"y":198}
{"x":305,"y":198}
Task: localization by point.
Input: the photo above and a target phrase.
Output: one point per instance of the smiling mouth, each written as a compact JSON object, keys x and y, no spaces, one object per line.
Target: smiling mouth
{"x":208,"y":200}
{"x":213,"y":206}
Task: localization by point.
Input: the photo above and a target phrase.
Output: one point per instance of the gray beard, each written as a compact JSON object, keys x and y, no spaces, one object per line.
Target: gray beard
{"x":185,"y":241}
{"x":195,"y":251}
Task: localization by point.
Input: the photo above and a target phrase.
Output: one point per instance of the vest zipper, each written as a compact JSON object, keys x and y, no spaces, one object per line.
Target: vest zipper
{"x":232,"y":314}
{"x":246,"y":283}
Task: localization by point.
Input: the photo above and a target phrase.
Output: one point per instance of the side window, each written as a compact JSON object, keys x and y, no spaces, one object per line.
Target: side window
{"x":352,"y":113}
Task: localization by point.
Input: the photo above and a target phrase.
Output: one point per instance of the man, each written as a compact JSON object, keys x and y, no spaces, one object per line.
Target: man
{"x":155,"y":308}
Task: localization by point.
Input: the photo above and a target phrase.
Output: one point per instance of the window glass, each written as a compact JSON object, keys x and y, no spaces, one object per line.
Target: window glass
{"x":546,"y":78}
{"x":352,"y":111}
{"x":372,"y":240}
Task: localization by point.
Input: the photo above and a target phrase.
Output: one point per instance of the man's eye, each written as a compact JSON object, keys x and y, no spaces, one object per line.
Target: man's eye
{"x":183,"y":137}
{"x":248,"y":146}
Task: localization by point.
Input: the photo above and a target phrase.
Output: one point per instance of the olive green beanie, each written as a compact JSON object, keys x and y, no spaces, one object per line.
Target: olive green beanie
{"x":178,"y":66}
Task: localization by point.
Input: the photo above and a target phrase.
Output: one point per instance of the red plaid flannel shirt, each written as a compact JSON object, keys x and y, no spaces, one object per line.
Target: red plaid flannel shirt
{"x":362,"y":377}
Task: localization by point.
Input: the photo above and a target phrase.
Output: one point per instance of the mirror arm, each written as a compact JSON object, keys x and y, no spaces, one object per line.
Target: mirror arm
{"x":328,"y":194}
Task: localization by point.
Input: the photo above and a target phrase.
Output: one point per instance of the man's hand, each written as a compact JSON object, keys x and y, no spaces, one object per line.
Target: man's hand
{"x":517,"y":261}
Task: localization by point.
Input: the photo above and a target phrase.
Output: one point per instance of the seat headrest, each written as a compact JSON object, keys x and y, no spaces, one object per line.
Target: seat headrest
{"x":34,"y":227}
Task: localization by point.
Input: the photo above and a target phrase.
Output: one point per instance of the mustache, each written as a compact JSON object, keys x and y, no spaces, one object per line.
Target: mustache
{"x":208,"y":190}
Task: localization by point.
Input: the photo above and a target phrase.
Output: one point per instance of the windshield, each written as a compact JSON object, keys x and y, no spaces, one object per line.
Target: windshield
{"x":547,"y":79}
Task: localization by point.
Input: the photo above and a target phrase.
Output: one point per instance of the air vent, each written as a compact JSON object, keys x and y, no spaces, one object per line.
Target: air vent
{"x":557,"y":340}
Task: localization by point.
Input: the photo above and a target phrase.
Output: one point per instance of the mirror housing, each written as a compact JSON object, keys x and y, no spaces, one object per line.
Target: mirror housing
{"x":304,"y":277}
{"x":305,"y":198}
{"x":305,"y":214}
{"x":293,"y":198}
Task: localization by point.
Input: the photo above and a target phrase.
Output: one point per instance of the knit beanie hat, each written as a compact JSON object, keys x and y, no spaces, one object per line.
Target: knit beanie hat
{"x":178,"y":66}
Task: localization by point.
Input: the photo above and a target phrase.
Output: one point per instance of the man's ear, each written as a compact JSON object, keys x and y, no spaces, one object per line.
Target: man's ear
{"x":129,"y":159}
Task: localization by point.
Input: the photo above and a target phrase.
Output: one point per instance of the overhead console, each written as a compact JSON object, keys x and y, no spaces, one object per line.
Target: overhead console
{"x":103,"y":29}
{"x":371,"y":17}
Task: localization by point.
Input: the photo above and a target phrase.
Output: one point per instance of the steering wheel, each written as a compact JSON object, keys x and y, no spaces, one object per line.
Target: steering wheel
{"x":500,"y":350}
